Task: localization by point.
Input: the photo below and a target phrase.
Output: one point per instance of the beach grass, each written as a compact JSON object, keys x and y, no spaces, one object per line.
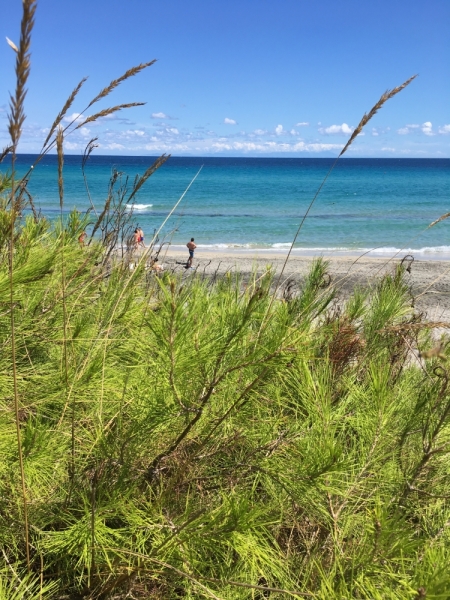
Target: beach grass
{"x":175,"y":448}
{"x":172,"y":437}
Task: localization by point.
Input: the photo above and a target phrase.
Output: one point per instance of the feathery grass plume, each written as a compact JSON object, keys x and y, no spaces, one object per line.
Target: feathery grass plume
{"x":5,"y":153}
{"x":16,"y":119}
{"x":441,"y":218}
{"x":60,"y":152}
{"x":140,"y":182}
{"x":17,"y":114}
{"x":107,"y":111}
{"x":115,"y":82}
{"x":90,"y":147}
{"x":367,"y":116}
{"x":12,"y":45}
{"x":115,"y":176}
{"x":63,"y":111}
{"x":31,"y":203}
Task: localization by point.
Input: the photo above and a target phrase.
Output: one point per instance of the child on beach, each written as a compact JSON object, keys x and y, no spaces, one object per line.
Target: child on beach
{"x":191,"y":247}
{"x":82,"y":239}
{"x":154,"y":265}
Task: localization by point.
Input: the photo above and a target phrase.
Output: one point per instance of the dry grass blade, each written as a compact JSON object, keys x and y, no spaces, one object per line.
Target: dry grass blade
{"x":64,"y":109}
{"x":12,"y":44}
{"x":367,"y":116}
{"x":100,"y":218}
{"x":15,"y":122}
{"x":32,"y":206}
{"x":17,"y":115}
{"x":5,"y":153}
{"x":59,"y":148}
{"x":441,"y":218}
{"x":416,"y":326}
{"x":108,"y":111}
{"x":115,"y":82}
{"x":90,"y":147}
{"x":158,"y":162}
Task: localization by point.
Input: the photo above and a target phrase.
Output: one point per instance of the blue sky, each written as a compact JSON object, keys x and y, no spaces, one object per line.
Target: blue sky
{"x":239,"y":77}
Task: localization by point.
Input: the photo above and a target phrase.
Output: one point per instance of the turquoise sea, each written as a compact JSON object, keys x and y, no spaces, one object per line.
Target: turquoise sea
{"x":382,"y":205}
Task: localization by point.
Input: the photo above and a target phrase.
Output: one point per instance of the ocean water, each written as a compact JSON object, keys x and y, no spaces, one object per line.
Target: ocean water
{"x":377,"y":205}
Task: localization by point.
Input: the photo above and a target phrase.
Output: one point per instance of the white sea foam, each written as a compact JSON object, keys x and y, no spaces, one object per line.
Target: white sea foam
{"x":226,"y":246}
{"x":139,"y":207}
{"x":425,"y":253}
{"x":142,"y":206}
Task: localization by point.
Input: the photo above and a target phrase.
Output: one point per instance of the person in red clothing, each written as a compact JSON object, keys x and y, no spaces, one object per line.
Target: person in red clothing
{"x":82,"y":239}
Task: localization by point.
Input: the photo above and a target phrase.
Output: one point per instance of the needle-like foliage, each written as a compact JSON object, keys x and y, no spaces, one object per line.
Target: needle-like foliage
{"x":168,"y":438}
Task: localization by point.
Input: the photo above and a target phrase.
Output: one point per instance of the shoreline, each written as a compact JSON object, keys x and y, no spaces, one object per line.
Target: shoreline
{"x":242,"y":251}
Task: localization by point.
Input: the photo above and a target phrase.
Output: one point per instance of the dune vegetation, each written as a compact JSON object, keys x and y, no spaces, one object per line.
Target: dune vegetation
{"x":163,"y":437}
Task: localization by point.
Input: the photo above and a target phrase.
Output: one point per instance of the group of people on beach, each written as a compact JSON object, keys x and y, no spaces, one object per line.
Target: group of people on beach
{"x":138,"y":241}
{"x":139,"y":237}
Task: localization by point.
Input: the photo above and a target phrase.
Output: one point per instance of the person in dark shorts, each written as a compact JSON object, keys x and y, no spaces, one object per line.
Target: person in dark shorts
{"x":191,"y":247}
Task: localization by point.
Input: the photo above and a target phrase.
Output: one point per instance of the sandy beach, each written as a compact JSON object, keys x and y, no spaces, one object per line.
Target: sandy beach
{"x":429,"y":279}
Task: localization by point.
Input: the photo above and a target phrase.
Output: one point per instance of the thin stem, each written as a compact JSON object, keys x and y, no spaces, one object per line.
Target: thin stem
{"x":59,"y":145}
{"x":13,"y":359}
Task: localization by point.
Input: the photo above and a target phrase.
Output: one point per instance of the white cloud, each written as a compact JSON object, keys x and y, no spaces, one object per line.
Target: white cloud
{"x":260,"y":132}
{"x":160,"y":115}
{"x":228,"y":121}
{"x":388,"y":149}
{"x":427,"y":128}
{"x":337,"y":129}
{"x":72,"y":146}
{"x":132,"y":133}
{"x":376,"y":131}
{"x":279,"y":129}
{"x":85,"y":132}
{"x":74,"y":117}
{"x":445,"y":129}
{"x":272,"y":147}
{"x":113,"y":146}
{"x":302,"y":124}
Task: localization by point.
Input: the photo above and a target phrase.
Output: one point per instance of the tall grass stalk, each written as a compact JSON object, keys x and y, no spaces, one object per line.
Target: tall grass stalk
{"x":16,"y":118}
{"x":365,"y":119}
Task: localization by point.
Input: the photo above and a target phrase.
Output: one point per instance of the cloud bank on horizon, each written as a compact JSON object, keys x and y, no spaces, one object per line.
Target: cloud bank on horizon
{"x":120,"y":135}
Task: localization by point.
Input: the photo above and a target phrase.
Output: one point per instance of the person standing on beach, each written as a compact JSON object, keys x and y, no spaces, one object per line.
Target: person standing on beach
{"x":136,"y":238}
{"x":141,"y":237}
{"x":191,"y":247}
